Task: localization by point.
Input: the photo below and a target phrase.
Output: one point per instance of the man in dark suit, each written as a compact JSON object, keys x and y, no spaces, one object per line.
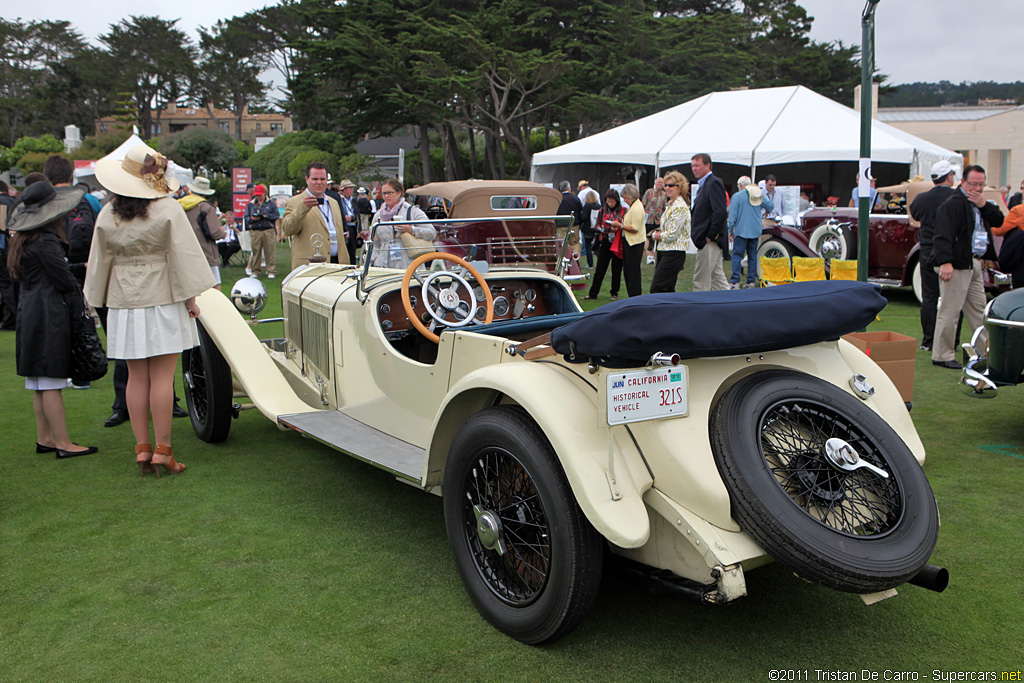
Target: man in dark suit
{"x":710,"y":235}
{"x":571,"y":204}
{"x":923,"y":209}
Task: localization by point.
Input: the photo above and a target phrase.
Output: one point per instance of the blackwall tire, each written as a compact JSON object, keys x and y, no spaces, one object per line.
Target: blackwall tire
{"x":852,"y":531}
{"x":208,"y":392}
{"x":502,"y":476}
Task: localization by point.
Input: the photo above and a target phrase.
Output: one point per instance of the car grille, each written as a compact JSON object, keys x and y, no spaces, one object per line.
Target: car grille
{"x":309,"y":331}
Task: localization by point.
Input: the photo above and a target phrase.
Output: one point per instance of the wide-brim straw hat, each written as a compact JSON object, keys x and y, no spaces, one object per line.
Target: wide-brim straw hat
{"x":141,"y":174}
{"x":41,"y":204}
{"x":345,"y":183}
{"x":201,"y":186}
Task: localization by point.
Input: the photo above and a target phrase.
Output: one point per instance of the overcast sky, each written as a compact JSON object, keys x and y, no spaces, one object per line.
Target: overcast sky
{"x":915,"y":40}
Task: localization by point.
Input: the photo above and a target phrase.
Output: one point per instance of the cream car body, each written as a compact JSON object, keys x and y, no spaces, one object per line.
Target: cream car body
{"x":650,"y":488}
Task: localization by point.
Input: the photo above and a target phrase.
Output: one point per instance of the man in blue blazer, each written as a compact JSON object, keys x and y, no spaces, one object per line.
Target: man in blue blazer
{"x":708,"y":227}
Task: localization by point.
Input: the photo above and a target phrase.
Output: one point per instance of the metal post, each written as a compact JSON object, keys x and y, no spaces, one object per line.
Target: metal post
{"x":867,"y":67}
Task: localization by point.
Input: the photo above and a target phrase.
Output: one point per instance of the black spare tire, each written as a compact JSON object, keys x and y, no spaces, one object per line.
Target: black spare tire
{"x":803,"y":462}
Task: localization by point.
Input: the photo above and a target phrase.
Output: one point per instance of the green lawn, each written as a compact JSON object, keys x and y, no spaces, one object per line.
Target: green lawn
{"x":274,"y":558}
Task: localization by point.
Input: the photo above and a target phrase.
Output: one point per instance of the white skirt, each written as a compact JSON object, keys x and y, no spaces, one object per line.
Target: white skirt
{"x":152,"y":331}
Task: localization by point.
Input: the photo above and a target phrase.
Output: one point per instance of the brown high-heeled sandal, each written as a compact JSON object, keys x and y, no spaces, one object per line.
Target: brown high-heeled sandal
{"x":173,"y":466}
{"x":143,"y":457}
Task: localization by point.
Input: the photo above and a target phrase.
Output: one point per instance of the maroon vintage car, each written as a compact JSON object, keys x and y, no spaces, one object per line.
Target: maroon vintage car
{"x":831,"y":232}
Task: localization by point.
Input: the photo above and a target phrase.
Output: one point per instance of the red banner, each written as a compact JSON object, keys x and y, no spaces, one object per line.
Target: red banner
{"x":238,"y":206}
{"x":240,"y":178}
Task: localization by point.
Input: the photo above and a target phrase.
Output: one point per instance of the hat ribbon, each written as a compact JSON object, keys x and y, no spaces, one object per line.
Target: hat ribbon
{"x":151,"y":171}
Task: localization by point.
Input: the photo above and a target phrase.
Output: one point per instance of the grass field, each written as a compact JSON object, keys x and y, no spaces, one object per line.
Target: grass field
{"x":274,"y":558}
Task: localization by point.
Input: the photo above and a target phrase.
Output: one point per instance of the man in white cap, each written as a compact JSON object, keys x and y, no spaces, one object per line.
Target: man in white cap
{"x":923,"y":210}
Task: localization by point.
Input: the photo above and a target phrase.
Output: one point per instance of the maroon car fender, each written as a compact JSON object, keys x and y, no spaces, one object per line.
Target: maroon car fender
{"x":794,"y":238}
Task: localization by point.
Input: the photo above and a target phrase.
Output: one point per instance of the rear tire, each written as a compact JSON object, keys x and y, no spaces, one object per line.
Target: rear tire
{"x":854,"y":531}
{"x":528,"y":557}
{"x":208,"y":391}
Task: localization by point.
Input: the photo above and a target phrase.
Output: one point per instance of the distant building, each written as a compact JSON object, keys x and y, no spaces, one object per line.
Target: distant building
{"x":173,"y":119}
{"x":991,"y":135}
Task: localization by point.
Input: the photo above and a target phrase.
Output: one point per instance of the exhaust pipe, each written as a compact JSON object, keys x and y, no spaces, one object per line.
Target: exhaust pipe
{"x":931,"y":577}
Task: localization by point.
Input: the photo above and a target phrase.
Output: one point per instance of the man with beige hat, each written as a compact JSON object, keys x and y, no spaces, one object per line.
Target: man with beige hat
{"x":745,"y":229}
{"x":205,"y":224}
{"x":349,"y":216}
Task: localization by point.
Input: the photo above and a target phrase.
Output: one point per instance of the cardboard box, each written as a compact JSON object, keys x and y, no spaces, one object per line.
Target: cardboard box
{"x":894,"y":353}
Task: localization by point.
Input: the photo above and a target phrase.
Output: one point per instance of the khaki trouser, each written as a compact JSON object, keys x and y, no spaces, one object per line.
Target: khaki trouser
{"x":263,"y":246}
{"x":965,"y":291}
{"x":708,"y":274}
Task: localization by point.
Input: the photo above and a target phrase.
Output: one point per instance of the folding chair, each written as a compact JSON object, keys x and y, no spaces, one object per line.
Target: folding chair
{"x":842,"y":269}
{"x":774,"y":271}
{"x":808,"y":269}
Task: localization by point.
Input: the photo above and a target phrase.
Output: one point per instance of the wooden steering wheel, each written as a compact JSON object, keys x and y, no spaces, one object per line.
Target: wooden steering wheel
{"x":441,"y":295}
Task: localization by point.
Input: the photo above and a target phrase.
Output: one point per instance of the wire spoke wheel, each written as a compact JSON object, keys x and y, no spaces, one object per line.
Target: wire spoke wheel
{"x":528,"y":557}
{"x":208,"y":390}
{"x":499,"y":485}
{"x":858,"y":503}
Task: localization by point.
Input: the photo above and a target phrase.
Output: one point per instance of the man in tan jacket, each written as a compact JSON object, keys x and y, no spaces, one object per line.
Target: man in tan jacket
{"x":312,"y":213}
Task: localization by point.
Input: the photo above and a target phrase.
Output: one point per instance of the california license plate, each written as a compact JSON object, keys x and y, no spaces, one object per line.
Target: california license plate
{"x":646,"y":394}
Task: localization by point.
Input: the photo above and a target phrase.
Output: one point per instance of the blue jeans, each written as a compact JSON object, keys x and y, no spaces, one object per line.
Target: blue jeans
{"x":741,"y":246}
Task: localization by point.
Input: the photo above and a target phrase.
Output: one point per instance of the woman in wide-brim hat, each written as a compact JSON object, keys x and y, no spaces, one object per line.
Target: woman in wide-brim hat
{"x":49,"y":302}
{"x":147,"y":268}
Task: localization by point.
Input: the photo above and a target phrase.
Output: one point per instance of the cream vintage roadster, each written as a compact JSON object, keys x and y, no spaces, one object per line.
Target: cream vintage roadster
{"x":698,"y":436}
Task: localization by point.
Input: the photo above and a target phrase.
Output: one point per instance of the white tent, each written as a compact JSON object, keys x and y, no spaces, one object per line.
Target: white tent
{"x":749,"y":128}
{"x":88,"y":175}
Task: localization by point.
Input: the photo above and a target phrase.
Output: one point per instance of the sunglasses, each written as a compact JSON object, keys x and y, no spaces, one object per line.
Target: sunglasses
{"x":671,"y":185}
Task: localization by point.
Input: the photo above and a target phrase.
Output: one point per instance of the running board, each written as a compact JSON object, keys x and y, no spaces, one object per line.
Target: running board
{"x":884,"y":282}
{"x":352,"y":437}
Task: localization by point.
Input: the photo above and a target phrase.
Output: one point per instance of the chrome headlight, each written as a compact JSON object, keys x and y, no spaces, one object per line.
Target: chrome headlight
{"x":249,"y":296}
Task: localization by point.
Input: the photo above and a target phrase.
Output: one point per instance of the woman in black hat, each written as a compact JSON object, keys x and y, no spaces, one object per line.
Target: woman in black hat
{"x":49,"y":301}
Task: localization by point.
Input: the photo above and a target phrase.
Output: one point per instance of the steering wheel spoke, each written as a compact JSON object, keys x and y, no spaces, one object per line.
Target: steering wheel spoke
{"x":443,"y":297}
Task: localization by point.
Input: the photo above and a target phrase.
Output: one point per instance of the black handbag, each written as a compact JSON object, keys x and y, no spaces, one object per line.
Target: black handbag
{"x":88,"y":360}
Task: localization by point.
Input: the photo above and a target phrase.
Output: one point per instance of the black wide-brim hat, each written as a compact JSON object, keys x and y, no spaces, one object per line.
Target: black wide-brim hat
{"x":41,"y":204}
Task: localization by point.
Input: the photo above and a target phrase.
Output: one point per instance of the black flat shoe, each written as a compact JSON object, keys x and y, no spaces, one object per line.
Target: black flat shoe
{"x":40,"y":448}
{"x":951,"y":364}
{"x":179,"y":411}
{"x":117,"y":417}
{"x":74,"y":454}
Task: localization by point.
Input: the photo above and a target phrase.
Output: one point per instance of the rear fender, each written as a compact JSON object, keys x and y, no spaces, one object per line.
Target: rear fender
{"x":250,"y":363}
{"x":564,"y":407}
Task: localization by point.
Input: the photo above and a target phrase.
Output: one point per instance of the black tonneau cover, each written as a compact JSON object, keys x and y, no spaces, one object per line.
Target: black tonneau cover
{"x":726,"y":323}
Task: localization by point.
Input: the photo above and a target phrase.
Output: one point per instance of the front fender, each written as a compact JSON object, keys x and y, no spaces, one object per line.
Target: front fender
{"x":564,"y":407}
{"x":792,"y":236}
{"x":250,"y":363}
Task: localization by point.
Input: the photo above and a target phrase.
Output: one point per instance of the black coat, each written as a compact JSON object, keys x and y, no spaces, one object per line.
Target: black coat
{"x":923,"y":209}
{"x":49,"y":301}
{"x":571,"y":206}
{"x":954,"y":231}
{"x":709,"y":215}
{"x":1011,"y":256}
